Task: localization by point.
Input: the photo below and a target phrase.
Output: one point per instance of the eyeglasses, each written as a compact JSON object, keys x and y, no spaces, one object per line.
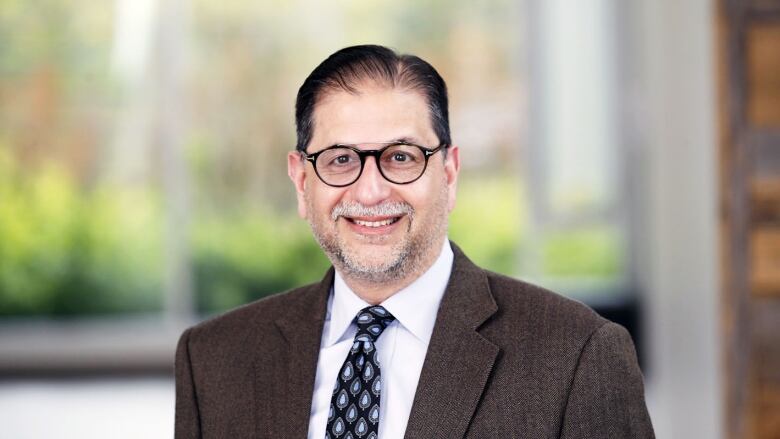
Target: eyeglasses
{"x":399,"y":162}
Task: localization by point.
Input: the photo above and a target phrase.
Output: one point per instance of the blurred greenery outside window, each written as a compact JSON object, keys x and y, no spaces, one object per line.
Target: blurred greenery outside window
{"x":85,"y":179}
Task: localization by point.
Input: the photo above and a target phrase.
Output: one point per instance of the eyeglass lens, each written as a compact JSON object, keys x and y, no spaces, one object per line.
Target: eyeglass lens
{"x":398,"y":163}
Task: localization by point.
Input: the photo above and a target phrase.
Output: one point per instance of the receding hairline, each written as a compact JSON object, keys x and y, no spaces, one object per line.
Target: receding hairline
{"x":361,"y":85}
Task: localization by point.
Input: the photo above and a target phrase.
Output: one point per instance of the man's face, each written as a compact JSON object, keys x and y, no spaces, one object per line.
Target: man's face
{"x":375,"y":230}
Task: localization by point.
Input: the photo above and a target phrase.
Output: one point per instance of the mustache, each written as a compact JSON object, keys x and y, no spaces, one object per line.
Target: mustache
{"x":351,"y":209}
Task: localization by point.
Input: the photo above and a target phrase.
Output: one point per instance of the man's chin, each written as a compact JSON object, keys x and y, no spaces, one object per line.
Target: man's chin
{"x":373,"y":274}
{"x":381,"y":264}
{"x":371,"y":261}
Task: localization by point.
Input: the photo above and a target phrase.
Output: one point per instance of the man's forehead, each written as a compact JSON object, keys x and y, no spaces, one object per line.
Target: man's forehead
{"x":373,"y":114}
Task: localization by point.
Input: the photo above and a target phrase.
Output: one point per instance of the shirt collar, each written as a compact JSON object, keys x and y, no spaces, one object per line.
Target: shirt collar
{"x":415,"y":307}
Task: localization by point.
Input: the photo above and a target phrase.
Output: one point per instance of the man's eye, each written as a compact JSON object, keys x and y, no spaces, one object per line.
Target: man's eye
{"x":400,"y":157}
{"x":342,"y":160}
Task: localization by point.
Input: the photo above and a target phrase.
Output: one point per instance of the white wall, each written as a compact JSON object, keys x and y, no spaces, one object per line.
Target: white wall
{"x":676,"y":106}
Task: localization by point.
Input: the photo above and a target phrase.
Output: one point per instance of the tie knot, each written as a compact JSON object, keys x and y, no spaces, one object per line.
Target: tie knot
{"x":371,"y":321}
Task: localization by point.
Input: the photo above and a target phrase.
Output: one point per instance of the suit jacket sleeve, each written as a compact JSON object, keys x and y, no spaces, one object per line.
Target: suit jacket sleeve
{"x":187,"y":424}
{"x":606,"y":398}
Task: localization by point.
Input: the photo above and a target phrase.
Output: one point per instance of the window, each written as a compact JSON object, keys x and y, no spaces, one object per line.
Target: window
{"x":142,"y":157}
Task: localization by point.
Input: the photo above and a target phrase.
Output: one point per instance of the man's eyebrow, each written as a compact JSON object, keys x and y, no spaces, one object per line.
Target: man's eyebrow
{"x":407,"y":139}
{"x":402,"y":139}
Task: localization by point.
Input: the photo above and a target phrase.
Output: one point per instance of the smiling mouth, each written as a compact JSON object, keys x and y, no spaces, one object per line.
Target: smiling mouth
{"x":375,"y":223}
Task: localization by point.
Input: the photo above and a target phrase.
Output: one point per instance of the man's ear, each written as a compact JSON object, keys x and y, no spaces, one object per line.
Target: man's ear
{"x":451,"y":171}
{"x":296,"y":170}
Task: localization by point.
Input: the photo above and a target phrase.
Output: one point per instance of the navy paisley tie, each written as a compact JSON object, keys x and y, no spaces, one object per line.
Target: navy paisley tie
{"x":354,"y":407}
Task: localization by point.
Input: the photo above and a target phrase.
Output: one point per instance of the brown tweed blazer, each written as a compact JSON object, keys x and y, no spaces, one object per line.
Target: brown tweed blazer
{"x":506,"y":360}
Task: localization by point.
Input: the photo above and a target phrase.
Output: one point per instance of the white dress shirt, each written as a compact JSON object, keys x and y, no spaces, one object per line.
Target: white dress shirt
{"x":401,"y":347}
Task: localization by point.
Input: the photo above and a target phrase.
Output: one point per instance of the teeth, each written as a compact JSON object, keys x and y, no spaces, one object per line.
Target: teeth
{"x":375,"y":223}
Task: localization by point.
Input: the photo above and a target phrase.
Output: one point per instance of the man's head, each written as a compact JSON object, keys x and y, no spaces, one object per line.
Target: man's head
{"x":381,"y":226}
{"x":353,"y":66}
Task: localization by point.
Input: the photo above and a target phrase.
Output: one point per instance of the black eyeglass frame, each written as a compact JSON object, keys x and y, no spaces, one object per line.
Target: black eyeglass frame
{"x":376,"y":153}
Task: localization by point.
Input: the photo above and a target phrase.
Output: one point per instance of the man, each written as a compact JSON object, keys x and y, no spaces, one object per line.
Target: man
{"x":404,"y":337}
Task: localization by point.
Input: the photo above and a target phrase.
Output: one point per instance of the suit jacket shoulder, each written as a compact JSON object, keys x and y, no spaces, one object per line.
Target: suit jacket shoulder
{"x":530,"y":313}
{"x":232,"y":369}
{"x":230,"y":328}
{"x":558,"y":370}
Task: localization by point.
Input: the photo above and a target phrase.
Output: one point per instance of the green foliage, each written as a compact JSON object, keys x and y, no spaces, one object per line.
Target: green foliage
{"x":589,"y":252}
{"x":247,"y":256}
{"x":487,"y":221}
{"x":488,"y":224}
{"x":63,"y":252}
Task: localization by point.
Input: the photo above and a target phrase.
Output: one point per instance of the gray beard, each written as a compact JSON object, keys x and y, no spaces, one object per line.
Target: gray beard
{"x":407,"y":260}
{"x":354,"y":268}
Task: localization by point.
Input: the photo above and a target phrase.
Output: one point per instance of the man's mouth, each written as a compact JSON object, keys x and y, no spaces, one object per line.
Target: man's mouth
{"x":372,"y":222}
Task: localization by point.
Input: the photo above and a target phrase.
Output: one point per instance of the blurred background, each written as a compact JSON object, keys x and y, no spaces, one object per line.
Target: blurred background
{"x":616,"y":152}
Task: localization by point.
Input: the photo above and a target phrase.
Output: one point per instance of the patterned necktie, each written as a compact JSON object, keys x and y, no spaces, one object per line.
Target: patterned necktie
{"x":354,"y":408}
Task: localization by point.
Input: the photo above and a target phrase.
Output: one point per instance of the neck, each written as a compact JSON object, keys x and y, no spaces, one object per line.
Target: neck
{"x":375,"y":293}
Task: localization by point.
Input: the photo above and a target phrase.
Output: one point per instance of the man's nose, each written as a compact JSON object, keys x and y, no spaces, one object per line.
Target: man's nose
{"x":371,"y":188}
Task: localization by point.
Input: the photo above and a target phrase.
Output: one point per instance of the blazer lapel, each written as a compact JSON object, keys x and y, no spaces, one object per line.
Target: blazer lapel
{"x":459,"y":360}
{"x":294,"y":374}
